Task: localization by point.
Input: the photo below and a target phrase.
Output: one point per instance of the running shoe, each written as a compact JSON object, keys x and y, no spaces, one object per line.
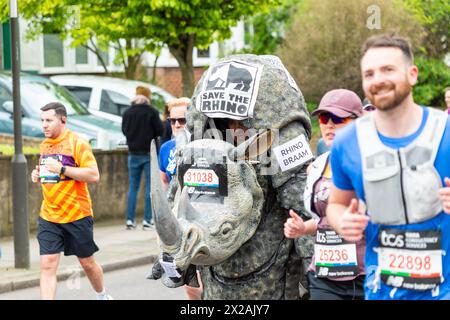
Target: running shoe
{"x":131,"y":225}
{"x":147,"y":225}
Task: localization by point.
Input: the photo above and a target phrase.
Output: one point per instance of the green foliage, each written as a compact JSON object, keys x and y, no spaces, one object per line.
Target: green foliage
{"x":322,"y":48}
{"x":434,"y":16}
{"x":179,"y":24}
{"x":314,"y":120}
{"x":265,"y":31}
{"x":434,"y":77}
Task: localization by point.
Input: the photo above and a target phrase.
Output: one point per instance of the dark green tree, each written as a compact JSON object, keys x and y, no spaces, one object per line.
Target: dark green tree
{"x":149,"y":24}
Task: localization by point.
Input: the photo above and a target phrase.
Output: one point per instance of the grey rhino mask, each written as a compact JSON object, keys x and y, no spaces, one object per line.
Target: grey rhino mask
{"x":203,"y":229}
{"x":234,"y":233}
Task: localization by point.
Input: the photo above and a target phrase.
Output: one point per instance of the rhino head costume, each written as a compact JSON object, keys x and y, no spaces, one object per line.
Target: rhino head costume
{"x":228,"y":201}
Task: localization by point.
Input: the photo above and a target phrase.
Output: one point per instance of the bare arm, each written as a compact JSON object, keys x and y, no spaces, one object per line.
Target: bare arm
{"x":444,"y":194}
{"x":88,"y":174}
{"x":35,"y":175}
{"x":164,"y":179}
{"x":295,"y":227}
{"x":344,"y":216}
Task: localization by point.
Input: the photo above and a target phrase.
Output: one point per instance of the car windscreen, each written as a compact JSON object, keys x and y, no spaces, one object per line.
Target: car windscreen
{"x":83,"y":94}
{"x":38,"y":94}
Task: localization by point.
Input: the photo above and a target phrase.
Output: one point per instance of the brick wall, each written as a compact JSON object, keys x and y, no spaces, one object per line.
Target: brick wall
{"x":170,"y":79}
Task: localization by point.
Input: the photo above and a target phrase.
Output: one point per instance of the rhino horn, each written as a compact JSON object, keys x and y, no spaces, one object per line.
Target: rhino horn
{"x":185,"y":209}
{"x":166,"y":224}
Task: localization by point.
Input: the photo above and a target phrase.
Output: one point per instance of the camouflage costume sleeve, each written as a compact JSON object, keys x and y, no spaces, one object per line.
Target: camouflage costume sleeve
{"x":290,"y":183}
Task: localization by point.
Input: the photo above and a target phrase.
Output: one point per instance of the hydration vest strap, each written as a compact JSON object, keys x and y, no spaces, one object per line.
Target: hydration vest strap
{"x":317,"y":170}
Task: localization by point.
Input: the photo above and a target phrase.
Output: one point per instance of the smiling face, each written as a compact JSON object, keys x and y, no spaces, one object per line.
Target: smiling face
{"x":52,"y":124}
{"x":387,"y":76}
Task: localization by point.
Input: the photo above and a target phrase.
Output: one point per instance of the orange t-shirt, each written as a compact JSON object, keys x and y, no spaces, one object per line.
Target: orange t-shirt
{"x":67,"y":200}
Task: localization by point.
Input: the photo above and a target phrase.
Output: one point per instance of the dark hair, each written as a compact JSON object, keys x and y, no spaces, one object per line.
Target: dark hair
{"x":59,"y":108}
{"x":166,"y":113}
{"x":389,"y":40}
{"x":446,"y":89}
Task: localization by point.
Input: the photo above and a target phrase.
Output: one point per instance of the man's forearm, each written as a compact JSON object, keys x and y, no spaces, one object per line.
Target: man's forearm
{"x":334,"y":212}
{"x":83,"y":174}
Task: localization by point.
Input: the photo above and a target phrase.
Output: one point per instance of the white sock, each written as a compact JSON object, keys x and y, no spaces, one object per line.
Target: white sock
{"x":101,"y":295}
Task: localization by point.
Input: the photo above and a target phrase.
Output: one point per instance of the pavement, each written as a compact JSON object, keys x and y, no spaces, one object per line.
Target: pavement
{"x":119,"y":249}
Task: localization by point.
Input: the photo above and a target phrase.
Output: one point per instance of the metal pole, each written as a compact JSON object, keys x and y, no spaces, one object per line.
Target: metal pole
{"x":19,"y":162}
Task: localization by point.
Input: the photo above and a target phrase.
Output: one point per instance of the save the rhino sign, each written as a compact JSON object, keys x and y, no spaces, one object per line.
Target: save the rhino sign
{"x":230,"y":90}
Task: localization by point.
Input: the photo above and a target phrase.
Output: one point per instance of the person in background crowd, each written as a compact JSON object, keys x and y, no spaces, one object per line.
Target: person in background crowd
{"x":337,"y":109}
{"x":167,"y":135}
{"x":321,"y":147}
{"x":177,"y":117}
{"x":140,"y":124}
{"x":368,"y":106}
{"x":145,"y":91}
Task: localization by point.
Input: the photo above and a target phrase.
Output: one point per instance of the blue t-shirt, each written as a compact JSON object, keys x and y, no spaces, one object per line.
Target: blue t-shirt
{"x":167,"y":160}
{"x":346,"y":167}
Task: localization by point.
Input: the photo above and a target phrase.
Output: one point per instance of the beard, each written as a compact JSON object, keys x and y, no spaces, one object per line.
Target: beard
{"x":385,"y":103}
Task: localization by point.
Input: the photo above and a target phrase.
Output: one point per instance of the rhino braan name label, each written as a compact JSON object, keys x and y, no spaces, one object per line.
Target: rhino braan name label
{"x":230,"y":90}
{"x":410,"y":259}
{"x":293,"y":153}
{"x":206,"y":182}
{"x":334,"y":257}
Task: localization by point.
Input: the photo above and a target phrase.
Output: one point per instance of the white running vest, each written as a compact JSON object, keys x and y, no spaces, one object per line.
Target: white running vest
{"x":316,"y":172}
{"x":401,"y":186}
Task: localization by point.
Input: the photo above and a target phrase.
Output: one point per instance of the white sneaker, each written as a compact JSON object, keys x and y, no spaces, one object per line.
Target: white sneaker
{"x":147,"y":225}
{"x":103,"y":295}
{"x":131,"y":225}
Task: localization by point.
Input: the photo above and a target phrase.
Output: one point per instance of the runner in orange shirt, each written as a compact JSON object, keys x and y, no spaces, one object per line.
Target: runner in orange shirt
{"x":65,"y":167}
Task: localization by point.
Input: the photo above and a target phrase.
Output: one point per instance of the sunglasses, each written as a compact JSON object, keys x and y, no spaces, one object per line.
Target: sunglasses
{"x":369,"y":107}
{"x":181,"y":121}
{"x":325,"y":117}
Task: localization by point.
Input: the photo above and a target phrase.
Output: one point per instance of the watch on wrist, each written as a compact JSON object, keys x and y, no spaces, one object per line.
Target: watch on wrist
{"x":63,"y":169}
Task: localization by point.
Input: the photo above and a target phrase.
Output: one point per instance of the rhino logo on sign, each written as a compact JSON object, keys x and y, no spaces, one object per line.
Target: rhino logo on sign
{"x":229,"y":76}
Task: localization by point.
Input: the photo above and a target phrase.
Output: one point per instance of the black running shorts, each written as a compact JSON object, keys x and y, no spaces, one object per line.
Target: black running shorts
{"x":326,"y":289}
{"x":74,"y":238}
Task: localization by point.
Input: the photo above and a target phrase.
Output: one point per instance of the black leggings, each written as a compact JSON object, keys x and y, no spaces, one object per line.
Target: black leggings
{"x":326,"y":289}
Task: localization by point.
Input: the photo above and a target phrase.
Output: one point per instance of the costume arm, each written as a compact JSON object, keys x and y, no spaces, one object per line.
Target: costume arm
{"x":291,"y":183}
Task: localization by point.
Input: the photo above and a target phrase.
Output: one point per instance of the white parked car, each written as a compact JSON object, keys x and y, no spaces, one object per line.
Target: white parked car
{"x":108,"y":97}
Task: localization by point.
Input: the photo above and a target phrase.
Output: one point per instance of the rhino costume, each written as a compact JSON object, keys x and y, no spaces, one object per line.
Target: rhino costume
{"x":230,"y":224}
